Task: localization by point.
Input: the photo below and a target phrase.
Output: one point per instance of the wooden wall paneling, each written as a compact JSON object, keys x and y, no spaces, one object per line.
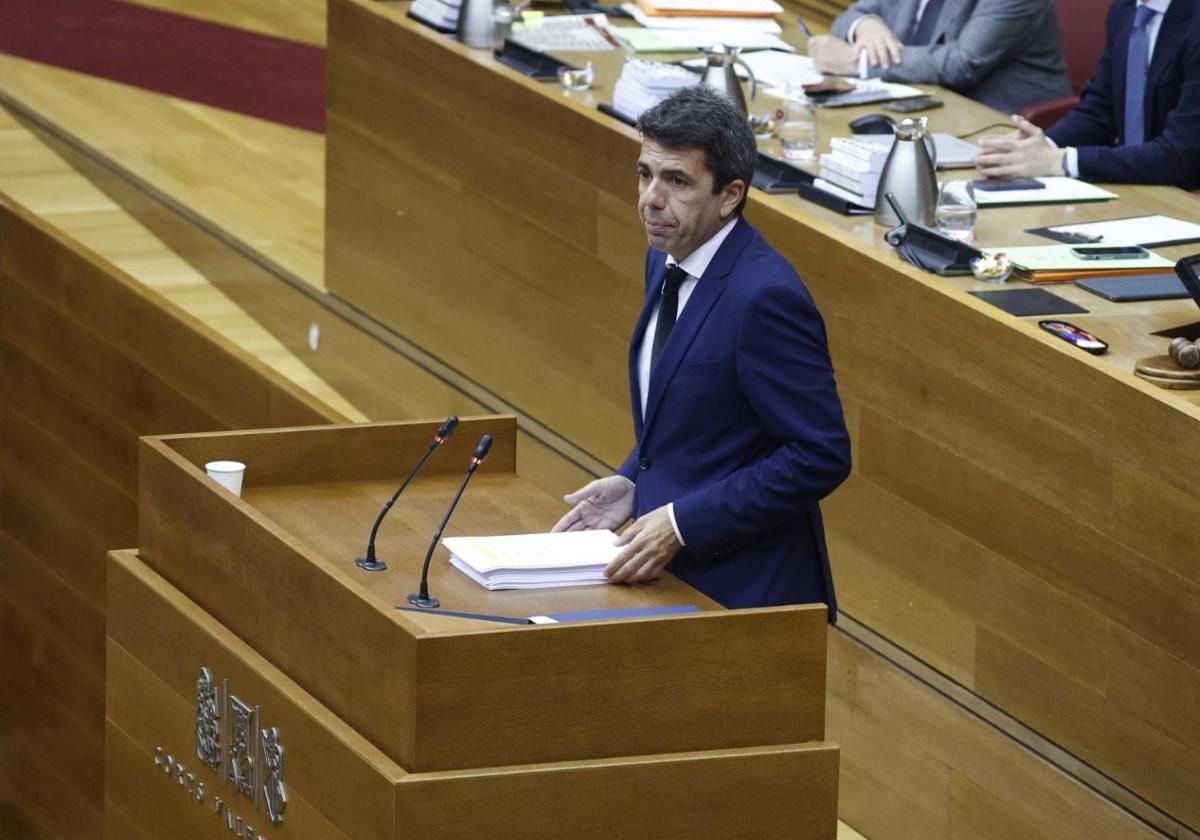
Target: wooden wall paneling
{"x":89,"y":361}
{"x":141,"y":325}
{"x":915,"y":765}
{"x":478,"y":231}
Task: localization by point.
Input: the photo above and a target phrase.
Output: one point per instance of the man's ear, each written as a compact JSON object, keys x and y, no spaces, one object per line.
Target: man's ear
{"x":731,"y":196}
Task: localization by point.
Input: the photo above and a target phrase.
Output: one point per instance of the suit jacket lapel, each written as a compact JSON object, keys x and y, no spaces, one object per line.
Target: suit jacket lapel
{"x":704,"y":296}
{"x":1120,"y":62}
{"x":1171,"y":34}
{"x":639,"y":331}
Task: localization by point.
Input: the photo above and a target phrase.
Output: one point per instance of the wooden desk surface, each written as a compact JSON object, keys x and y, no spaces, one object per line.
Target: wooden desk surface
{"x":1031,"y":507}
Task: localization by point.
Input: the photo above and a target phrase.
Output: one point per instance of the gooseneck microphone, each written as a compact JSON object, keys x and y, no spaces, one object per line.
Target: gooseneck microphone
{"x":368,"y":561}
{"x":423,"y":599}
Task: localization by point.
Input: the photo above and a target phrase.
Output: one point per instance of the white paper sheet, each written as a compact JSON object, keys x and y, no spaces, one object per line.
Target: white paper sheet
{"x":1058,"y":190}
{"x":1147,"y":231}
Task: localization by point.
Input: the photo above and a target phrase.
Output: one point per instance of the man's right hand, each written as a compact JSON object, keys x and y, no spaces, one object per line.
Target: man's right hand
{"x":833,"y":55}
{"x":882,"y":47}
{"x":603,"y":503}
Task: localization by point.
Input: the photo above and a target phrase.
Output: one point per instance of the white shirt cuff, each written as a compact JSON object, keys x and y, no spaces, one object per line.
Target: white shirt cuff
{"x":1070,"y":159}
{"x":1071,"y":162}
{"x":674,"y":525}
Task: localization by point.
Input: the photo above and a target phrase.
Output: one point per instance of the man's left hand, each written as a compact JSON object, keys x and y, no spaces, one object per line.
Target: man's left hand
{"x":1019,"y":154}
{"x":650,"y":543}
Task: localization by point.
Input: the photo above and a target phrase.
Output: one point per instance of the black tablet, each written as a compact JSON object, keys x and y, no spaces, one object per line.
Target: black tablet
{"x":1136,"y":287}
{"x":1188,"y":270}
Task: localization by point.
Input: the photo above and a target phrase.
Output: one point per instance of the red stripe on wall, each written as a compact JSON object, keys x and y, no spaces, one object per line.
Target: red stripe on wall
{"x":259,"y":75}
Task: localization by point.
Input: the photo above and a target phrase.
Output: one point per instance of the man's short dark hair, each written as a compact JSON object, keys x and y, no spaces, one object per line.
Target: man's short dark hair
{"x":701,"y":118}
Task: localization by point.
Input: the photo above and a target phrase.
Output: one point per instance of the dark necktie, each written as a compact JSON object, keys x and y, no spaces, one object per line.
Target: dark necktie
{"x":923,"y":31}
{"x":1135,"y":77}
{"x":668,"y":309}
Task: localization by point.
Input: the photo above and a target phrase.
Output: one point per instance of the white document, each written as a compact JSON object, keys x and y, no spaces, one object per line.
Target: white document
{"x":716,"y":7}
{"x":1147,"y":231}
{"x":1059,"y":190}
{"x":690,"y":40}
{"x":1061,"y":258}
{"x":716,"y":24}
{"x":776,"y":69}
{"x":534,"y":561}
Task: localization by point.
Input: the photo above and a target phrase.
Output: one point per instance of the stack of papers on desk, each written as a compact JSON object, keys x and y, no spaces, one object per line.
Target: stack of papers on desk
{"x":854,"y":167}
{"x":712,"y":24}
{"x":712,"y":8}
{"x":1058,"y":264}
{"x":643,"y":84}
{"x":690,"y":40}
{"x":534,"y":561}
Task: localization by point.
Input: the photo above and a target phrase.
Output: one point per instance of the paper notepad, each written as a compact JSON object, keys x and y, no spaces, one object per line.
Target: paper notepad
{"x":690,"y":40}
{"x":1147,"y":231}
{"x":1060,"y":258}
{"x":1058,"y":190}
{"x":534,"y":561}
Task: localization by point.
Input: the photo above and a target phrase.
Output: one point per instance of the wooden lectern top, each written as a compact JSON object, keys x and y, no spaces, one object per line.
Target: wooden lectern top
{"x":276,"y":566}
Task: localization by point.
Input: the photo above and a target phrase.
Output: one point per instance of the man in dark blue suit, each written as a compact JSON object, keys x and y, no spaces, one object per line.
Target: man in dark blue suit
{"x":1138,"y":119}
{"x":739,"y":429}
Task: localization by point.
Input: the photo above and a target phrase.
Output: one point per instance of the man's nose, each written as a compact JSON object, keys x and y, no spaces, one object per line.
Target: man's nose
{"x":655,"y":194}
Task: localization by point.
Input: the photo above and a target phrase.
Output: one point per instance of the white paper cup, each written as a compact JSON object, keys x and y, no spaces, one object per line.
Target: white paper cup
{"x":228,"y":474}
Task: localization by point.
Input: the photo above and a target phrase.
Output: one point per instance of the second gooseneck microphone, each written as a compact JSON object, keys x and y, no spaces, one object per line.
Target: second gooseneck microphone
{"x":423,"y":599}
{"x":368,"y":561}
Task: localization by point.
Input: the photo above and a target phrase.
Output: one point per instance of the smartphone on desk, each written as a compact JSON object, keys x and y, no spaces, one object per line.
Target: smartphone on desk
{"x":1003,"y":184}
{"x":916,"y":103}
{"x":1072,"y":334}
{"x":1110,"y":252}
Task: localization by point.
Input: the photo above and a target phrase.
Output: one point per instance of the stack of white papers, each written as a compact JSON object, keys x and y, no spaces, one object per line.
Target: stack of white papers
{"x":643,"y":84}
{"x":713,"y":24}
{"x":855,"y":167}
{"x":534,"y":561}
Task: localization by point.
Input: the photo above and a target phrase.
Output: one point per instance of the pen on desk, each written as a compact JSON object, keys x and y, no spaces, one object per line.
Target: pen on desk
{"x":862,"y":64}
{"x":804,"y":26}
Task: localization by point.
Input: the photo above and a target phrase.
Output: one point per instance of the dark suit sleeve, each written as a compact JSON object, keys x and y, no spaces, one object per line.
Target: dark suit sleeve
{"x":1173,"y":157}
{"x":784,"y":371}
{"x":996,"y":31}
{"x":843,"y":22}
{"x":1093,"y":122}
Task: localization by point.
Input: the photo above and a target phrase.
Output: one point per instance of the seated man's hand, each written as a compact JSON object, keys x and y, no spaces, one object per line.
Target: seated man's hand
{"x":833,"y":55}
{"x":1023,"y":153}
{"x":650,"y":543}
{"x":880,"y":43}
{"x":603,"y":503}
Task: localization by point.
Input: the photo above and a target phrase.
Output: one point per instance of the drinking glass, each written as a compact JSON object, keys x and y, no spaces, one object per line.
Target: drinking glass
{"x":956,"y":210}
{"x":798,"y":129}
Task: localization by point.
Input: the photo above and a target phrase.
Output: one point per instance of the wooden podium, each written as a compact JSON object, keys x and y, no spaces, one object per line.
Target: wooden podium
{"x":260,"y":684}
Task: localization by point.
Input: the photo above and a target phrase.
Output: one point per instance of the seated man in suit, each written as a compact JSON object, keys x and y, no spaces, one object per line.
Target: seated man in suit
{"x":1003,"y":53}
{"x":1138,"y":119}
{"x":738,"y":426}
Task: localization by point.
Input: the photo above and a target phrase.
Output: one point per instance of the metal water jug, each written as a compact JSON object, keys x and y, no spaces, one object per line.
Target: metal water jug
{"x":477,"y":23}
{"x":721,"y":76}
{"x":909,"y":175}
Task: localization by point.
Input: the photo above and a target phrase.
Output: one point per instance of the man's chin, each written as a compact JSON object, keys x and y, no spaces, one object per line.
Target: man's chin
{"x":659,"y":241}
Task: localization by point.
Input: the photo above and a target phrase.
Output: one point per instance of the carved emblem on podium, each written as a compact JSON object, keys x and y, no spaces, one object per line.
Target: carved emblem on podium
{"x":208,"y":720}
{"x":241,"y":765}
{"x":273,"y":790}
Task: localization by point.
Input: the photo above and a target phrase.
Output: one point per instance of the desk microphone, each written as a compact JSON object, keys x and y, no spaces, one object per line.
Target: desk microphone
{"x":423,"y":599}
{"x":368,"y":560}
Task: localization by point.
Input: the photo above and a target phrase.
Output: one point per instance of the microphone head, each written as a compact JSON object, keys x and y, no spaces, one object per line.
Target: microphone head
{"x":481,"y":451}
{"x":446,"y":429}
